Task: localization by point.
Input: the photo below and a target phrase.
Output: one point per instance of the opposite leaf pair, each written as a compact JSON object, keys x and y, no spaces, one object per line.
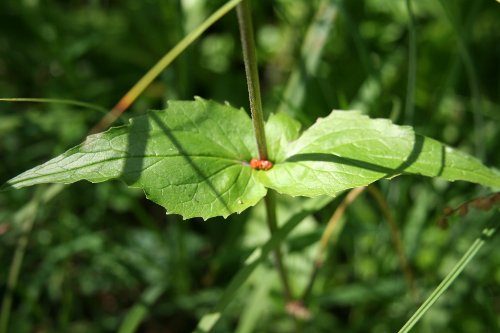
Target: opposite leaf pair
{"x":193,"y":158}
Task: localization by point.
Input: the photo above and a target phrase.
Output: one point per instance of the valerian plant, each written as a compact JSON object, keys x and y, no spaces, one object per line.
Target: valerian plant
{"x":194,"y":158}
{"x":204,"y":159}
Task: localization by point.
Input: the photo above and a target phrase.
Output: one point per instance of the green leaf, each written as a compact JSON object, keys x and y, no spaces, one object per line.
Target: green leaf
{"x":347,"y":149}
{"x":191,"y":158}
{"x":281,"y":129}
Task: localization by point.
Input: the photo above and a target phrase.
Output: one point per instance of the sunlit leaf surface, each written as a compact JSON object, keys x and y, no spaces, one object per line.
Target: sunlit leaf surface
{"x":192,"y":158}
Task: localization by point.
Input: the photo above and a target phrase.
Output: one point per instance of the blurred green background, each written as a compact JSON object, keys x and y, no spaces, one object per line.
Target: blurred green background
{"x":96,"y":250}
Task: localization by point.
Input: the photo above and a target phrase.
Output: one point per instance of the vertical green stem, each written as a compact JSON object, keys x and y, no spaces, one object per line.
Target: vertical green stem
{"x":273,"y":227}
{"x":252,"y":74}
{"x":412,"y":65}
{"x":250,"y":59}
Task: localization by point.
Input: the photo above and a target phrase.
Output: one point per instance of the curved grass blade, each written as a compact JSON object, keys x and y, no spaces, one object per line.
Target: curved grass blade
{"x":57,"y":101}
{"x":486,"y":235}
{"x":160,"y":66}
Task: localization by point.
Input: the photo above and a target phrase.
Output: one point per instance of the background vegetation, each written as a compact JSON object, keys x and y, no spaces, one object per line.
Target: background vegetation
{"x":96,"y":250}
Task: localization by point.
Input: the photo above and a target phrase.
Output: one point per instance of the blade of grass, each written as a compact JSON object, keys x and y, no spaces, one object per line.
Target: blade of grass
{"x":486,"y":235}
{"x":160,"y":66}
{"x":260,"y":254}
{"x":310,"y":55}
{"x":139,"y":311}
{"x":57,"y":101}
{"x":412,"y":65}
{"x":255,"y":308}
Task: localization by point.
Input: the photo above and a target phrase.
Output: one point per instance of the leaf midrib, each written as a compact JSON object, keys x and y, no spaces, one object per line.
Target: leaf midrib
{"x":13,"y":182}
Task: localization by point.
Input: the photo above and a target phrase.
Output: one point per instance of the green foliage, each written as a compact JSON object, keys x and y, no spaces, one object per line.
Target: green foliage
{"x":100,"y":257}
{"x":192,"y":158}
{"x":347,"y":149}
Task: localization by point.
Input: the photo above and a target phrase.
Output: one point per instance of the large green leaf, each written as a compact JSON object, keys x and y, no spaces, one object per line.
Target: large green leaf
{"x":347,"y":149}
{"x":191,"y":158}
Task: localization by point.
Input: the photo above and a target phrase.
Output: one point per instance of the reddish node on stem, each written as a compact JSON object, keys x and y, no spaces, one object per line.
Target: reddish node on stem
{"x":260,"y":164}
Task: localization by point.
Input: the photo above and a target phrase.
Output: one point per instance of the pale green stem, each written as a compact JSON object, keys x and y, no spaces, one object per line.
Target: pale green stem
{"x":57,"y":101}
{"x":139,"y":87}
{"x":486,"y":235}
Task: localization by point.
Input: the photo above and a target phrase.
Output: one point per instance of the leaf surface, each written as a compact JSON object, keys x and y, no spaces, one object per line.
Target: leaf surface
{"x":191,"y":158}
{"x":281,"y":130}
{"x":348,"y":149}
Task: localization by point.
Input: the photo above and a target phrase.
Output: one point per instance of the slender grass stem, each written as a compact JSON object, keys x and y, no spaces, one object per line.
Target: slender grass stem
{"x":134,"y":92}
{"x":57,"y":101}
{"x":487,"y":234}
{"x":412,"y":65}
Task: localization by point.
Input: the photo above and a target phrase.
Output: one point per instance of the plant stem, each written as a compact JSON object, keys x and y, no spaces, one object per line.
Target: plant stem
{"x":252,"y":74}
{"x":256,"y":258}
{"x":270,"y":202}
